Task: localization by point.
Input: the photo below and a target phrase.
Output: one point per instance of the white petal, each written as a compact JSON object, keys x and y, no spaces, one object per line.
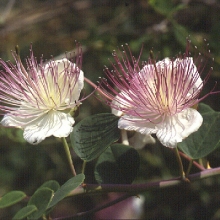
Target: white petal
{"x":121,"y":100}
{"x":136,"y":124}
{"x":80,"y":80}
{"x":194,"y":75}
{"x":164,"y":63}
{"x":16,"y":121}
{"x":78,"y":86}
{"x":138,"y":141}
{"x":54,"y":123}
{"x":115,"y":111}
{"x":64,"y":66}
{"x":10,"y":121}
{"x":61,"y":64}
{"x":175,"y":128}
{"x":169,"y":132}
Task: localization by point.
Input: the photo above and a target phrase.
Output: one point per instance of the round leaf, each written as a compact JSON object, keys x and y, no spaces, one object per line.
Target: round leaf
{"x":40,"y":199}
{"x":94,"y":134}
{"x":51,"y":184}
{"x":119,"y":164}
{"x":24,"y":212}
{"x":11,"y":198}
{"x":66,"y":188}
{"x":203,"y":108}
{"x":206,"y":139}
{"x":163,"y":7}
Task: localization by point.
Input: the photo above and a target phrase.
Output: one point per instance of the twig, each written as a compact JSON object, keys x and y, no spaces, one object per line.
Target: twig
{"x":137,"y":188}
{"x":133,"y":189}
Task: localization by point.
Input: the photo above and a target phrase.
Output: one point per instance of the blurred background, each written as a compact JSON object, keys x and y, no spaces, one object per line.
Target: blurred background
{"x":52,"y":26}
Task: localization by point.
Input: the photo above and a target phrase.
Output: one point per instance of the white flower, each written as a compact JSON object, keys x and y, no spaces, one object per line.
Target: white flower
{"x":157,"y":99}
{"x":39,"y":99}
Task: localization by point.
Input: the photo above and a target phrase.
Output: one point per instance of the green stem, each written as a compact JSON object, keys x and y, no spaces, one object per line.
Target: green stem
{"x":182,"y":174}
{"x":203,"y":162}
{"x":189,"y":167}
{"x":194,"y":162}
{"x":67,"y":150}
{"x":83,"y":166}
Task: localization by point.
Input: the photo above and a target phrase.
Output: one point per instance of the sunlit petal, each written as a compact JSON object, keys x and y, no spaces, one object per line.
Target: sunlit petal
{"x":177,"y":127}
{"x":53,"y":123}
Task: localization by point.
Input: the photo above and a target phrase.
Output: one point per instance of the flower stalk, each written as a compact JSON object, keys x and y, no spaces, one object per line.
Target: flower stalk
{"x":124,"y":137}
{"x":181,"y":170}
{"x":194,"y":162}
{"x":84,"y":167}
{"x":69,"y":158}
{"x":189,"y":167}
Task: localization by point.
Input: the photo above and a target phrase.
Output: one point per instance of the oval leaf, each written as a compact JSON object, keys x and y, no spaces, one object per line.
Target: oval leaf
{"x":24,"y":212}
{"x":119,"y":164}
{"x":94,"y":134}
{"x":203,"y":108}
{"x":40,"y":199}
{"x":66,"y":188}
{"x":180,"y":33}
{"x":11,"y":198}
{"x":51,"y":184}
{"x":206,"y":139}
{"x":163,"y":7}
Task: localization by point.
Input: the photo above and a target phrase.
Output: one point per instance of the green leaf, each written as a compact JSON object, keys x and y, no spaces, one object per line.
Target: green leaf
{"x":40,"y":199}
{"x":161,"y":6}
{"x":181,"y":33}
{"x":66,"y":188}
{"x":165,"y":7}
{"x":51,"y":184}
{"x":11,"y":198}
{"x":206,"y":139}
{"x":24,"y":212}
{"x":119,"y":164}
{"x":94,"y":134}
{"x":203,"y":108}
